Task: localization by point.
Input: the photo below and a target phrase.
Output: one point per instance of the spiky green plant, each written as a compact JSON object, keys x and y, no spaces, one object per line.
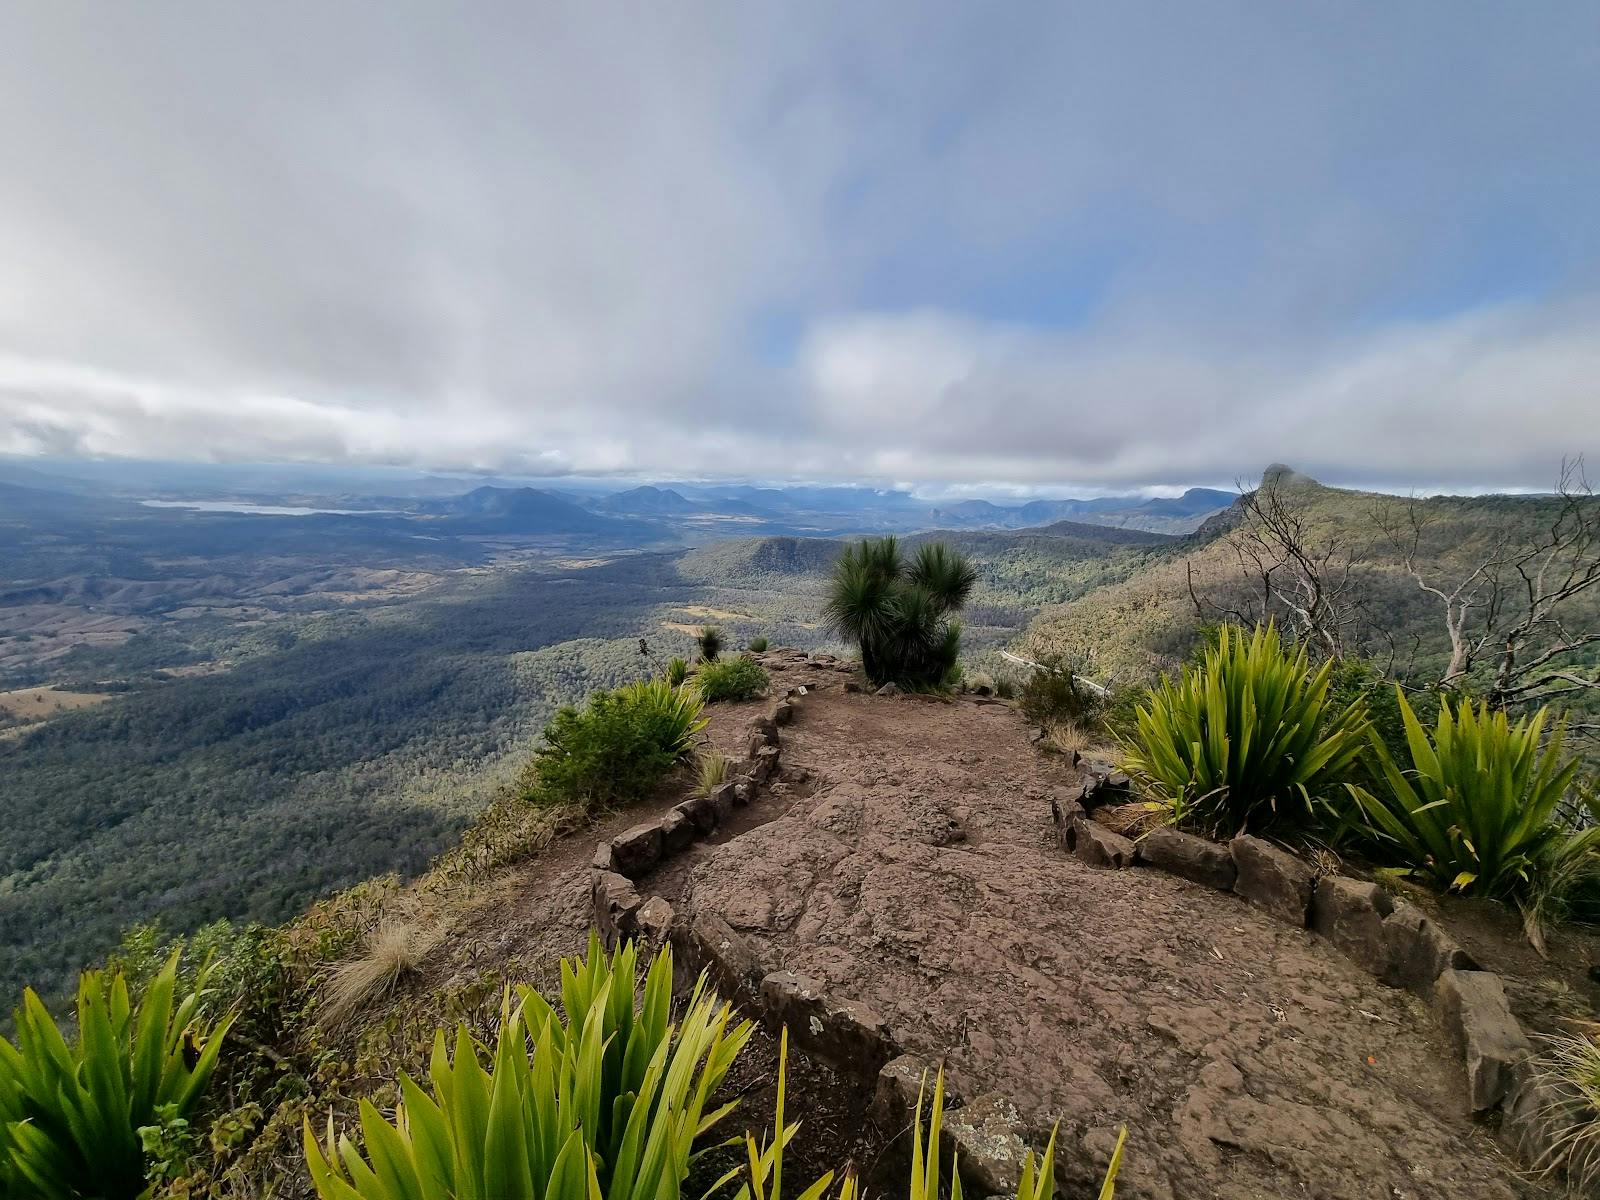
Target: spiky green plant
{"x":709,"y":640}
{"x":737,"y":678}
{"x":618,"y":746}
{"x":1476,"y":812}
{"x":71,"y":1114}
{"x":1246,"y":739}
{"x":604,"y":1098}
{"x":901,"y":615}
{"x":757,"y":645}
{"x":677,"y":670}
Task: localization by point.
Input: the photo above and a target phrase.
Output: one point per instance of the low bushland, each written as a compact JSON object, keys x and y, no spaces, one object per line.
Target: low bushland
{"x":731,"y":679}
{"x":618,"y":746}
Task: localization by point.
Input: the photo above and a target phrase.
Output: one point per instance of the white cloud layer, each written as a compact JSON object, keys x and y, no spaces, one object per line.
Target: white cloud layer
{"x":1111,"y":244}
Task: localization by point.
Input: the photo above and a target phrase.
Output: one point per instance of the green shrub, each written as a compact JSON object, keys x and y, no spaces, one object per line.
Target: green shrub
{"x":1057,"y":693}
{"x":731,"y":679}
{"x":710,"y":769}
{"x":709,"y":639}
{"x":1245,"y":740}
{"x":75,"y":1120}
{"x":758,"y":645}
{"x":1476,"y":811}
{"x":618,"y":747}
{"x":604,"y":1098}
{"x":899,"y":614}
{"x":677,"y":670}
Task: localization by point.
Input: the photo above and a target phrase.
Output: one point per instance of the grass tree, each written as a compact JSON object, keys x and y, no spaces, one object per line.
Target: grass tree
{"x":899,"y":612}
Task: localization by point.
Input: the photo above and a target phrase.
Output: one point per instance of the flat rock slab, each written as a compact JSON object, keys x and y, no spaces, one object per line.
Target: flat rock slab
{"x":1098,"y":846}
{"x":1247,"y":1057}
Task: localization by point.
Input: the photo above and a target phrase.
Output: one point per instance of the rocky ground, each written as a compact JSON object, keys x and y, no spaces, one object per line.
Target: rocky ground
{"x":908,"y":859}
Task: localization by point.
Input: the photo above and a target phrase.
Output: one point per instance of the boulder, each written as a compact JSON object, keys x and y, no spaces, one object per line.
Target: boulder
{"x":677,"y":833}
{"x":1098,"y":846}
{"x":638,"y":849}
{"x":604,"y":860}
{"x":654,"y":919}
{"x":1473,"y":1009}
{"x":1416,"y":951}
{"x":986,"y":1138}
{"x":1272,"y":879}
{"x":744,"y":792}
{"x":708,"y":943}
{"x":1065,"y":807}
{"x":1194,"y":858}
{"x":847,"y":1033}
{"x":782,"y":713}
{"x":763,"y":728}
{"x":1350,"y":913}
{"x":615,"y":904}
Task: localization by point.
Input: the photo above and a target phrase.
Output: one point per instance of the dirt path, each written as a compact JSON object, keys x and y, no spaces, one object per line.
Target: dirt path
{"x":916,"y":869}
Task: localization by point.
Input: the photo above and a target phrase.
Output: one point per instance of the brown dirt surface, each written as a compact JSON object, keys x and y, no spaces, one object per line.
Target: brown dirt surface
{"x":911,"y":864}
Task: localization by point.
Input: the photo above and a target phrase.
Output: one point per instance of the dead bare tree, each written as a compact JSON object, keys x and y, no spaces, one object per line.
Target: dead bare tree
{"x":1509,"y":610}
{"x":1305,"y":575}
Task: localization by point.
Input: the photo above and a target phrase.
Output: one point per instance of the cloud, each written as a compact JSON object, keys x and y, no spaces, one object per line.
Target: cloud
{"x":1093,"y":244}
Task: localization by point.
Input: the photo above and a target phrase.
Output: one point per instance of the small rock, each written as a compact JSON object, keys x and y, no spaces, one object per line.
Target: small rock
{"x":654,"y":919}
{"x":1066,"y":807}
{"x":986,"y":1138}
{"x":722,"y":799}
{"x":850,"y":685}
{"x":1416,"y":951}
{"x":615,"y":904}
{"x":764,"y":764}
{"x":900,"y":1083}
{"x":889,"y":689}
{"x":782,"y":713}
{"x":1098,"y":846}
{"x":1272,"y":879}
{"x":677,"y":833}
{"x":1194,"y":858}
{"x":709,"y":944}
{"x":637,"y":850}
{"x":700,"y":810}
{"x":764,"y":728}
{"x":845,"y":1032}
{"x":1350,"y":914}
{"x":604,"y":860}
{"x":1473,"y":1009}
{"x":744,"y":792}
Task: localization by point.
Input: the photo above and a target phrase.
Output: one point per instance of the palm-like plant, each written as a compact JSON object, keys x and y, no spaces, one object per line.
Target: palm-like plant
{"x":709,"y":640}
{"x":1245,"y":739}
{"x":70,"y":1115}
{"x":607,"y":1102}
{"x":901,"y":614}
{"x":1477,"y":811}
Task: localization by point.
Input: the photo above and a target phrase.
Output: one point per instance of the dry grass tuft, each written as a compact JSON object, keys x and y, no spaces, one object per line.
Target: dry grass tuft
{"x":1573,"y":1068}
{"x":394,"y":950}
{"x":710,"y":770}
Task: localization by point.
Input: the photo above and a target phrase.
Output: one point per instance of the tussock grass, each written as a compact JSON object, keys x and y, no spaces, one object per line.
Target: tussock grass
{"x":394,"y":950}
{"x":1572,"y":1065}
{"x":711,"y":769}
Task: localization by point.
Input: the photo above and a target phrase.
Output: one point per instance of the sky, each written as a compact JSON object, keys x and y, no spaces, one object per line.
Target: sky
{"x":1027,"y":245}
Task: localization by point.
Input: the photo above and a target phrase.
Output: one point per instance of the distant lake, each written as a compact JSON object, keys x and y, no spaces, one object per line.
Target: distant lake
{"x":263,"y":510}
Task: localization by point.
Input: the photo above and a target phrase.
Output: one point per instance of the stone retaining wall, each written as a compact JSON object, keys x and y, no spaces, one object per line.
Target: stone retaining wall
{"x":846,"y":1033}
{"x":1393,"y":940}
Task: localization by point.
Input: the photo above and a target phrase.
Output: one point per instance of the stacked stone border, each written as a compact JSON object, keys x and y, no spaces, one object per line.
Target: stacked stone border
{"x":844,"y":1032}
{"x":1392,"y":939}
{"x":986,"y":1135}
